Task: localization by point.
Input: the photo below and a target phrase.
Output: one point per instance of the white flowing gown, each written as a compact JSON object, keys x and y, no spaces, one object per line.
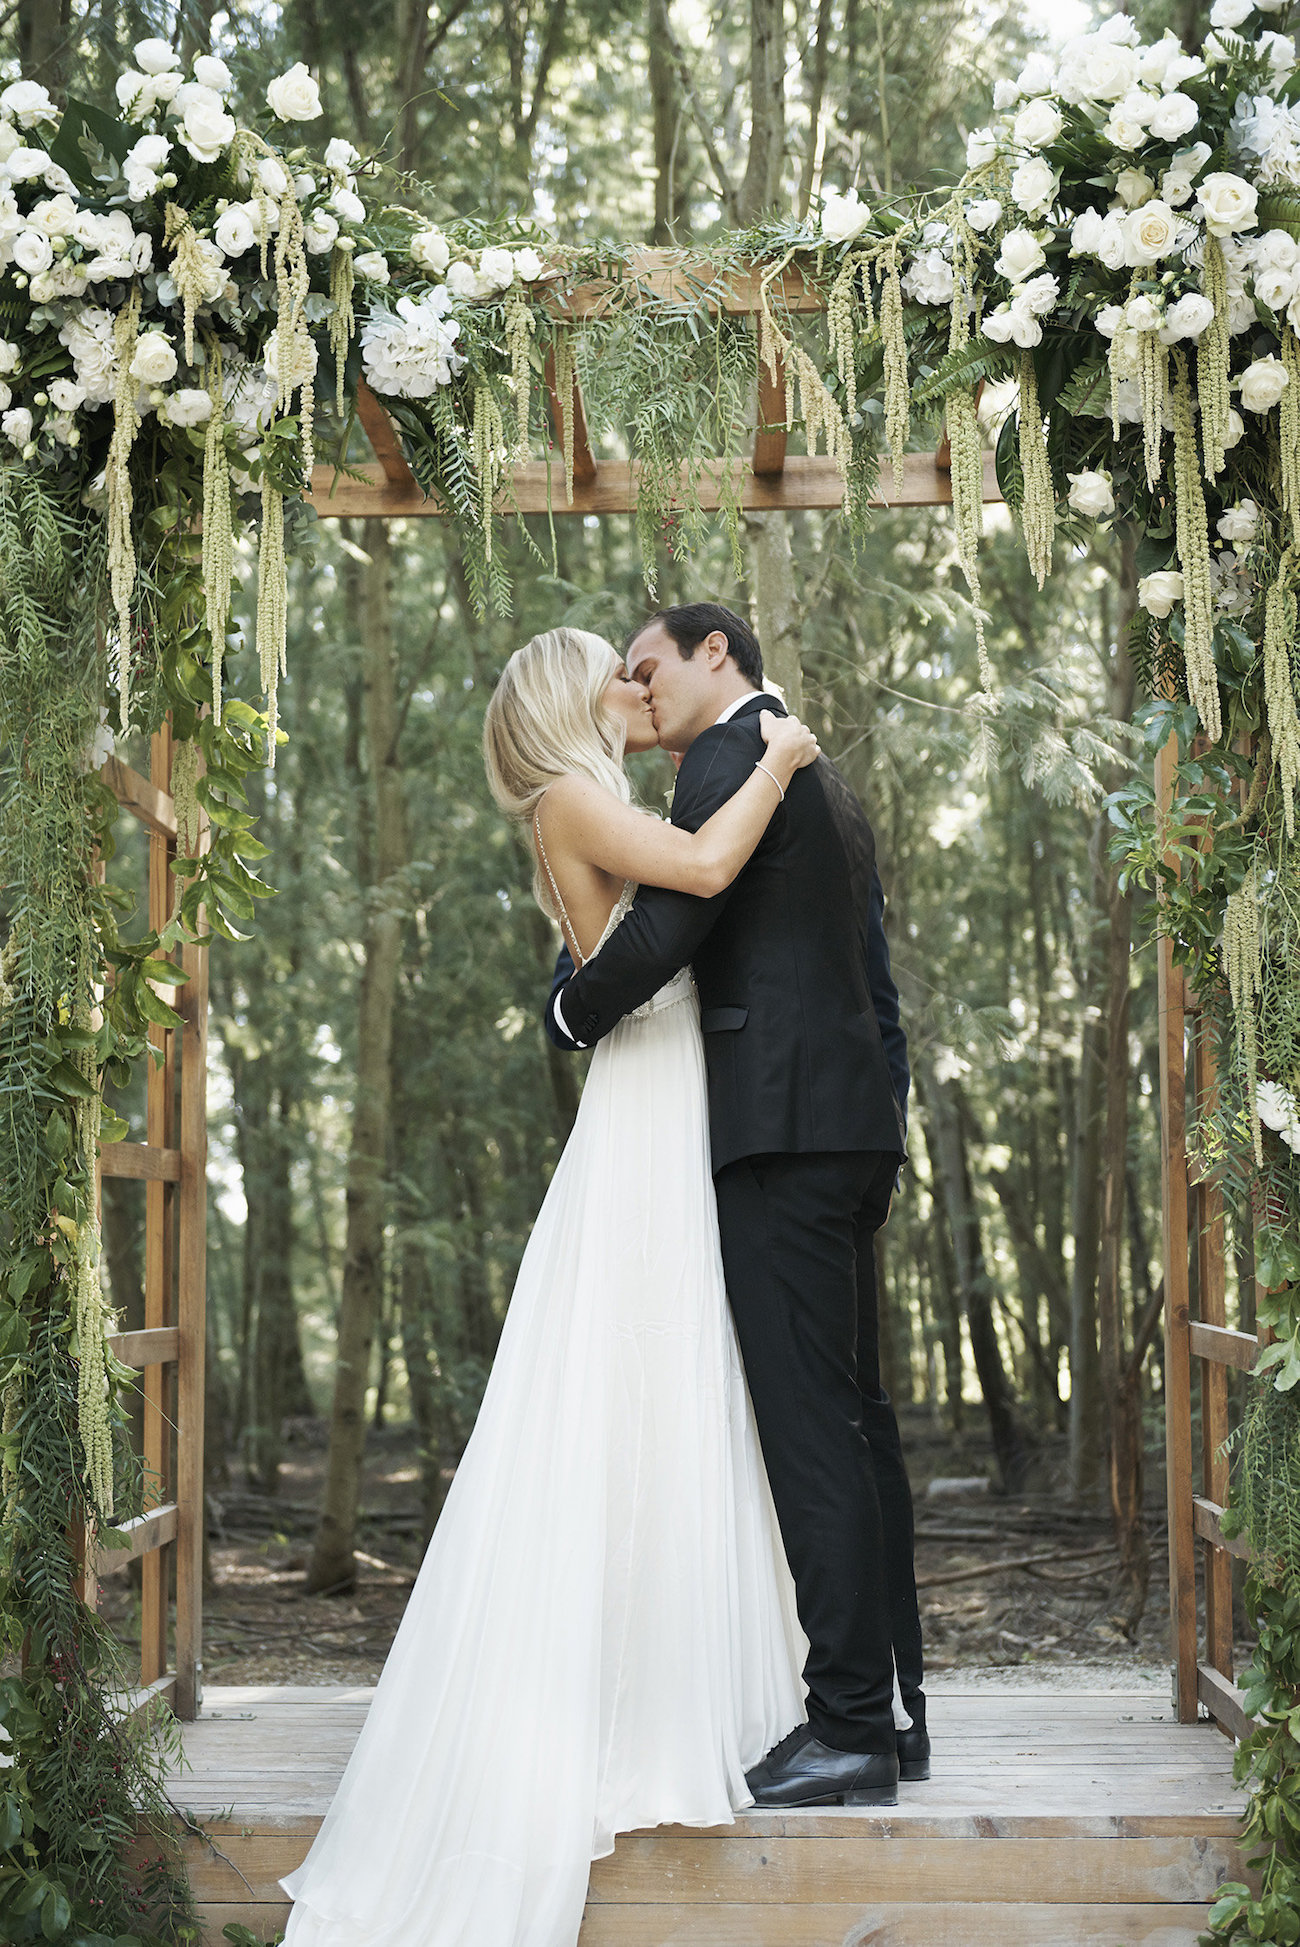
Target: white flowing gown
{"x":602,"y":1635}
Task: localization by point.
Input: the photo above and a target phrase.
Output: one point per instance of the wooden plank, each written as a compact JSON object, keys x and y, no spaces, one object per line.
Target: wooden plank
{"x":685,"y":278}
{"x":1223,"y":1699}
{"x":160,"y":1124}
{"x":539,"y":489}
{"x":770,"y":435}
{"x":143,"y":1695}
{"x":1206,"y":1517}
{"x":191,"y":1300}
{"x":1178,"y":1376}
{"x":144,"y":1532}
{"x":140,"y":1162}
{"x":379,"y":431}
{"x":142,"y":1349}
{"x":149,"y":802}
{"x":584,"y":463}
{"x":1219,"y":1342}
{"x":1208,"y":1230}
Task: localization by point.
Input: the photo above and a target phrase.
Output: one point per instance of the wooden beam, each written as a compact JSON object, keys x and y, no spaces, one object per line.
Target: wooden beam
{"x":140,"y":1162}
{"x":584,"y":463}
{"x":770,"y":436}
{"x":145,"y":1532}
{"x":1207,"y":1519}
{"x":152,"y":806}
{"x":129,"y":1703}
{"x":379,"y":431}
{"x":1223,"y":1699}
{"x":141,"y":1349}
{"x":1226,"y":1347}
{"x":803,"y":482}
{"x":680,"y":277}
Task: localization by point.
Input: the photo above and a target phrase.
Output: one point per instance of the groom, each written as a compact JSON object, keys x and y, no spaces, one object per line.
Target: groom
{"x":808,"y":1076}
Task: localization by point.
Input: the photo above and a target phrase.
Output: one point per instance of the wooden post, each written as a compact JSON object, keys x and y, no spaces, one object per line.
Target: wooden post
{"x":160,"y":1128}
{"x":191,"y":1300}
{"x":1207,"y":1209}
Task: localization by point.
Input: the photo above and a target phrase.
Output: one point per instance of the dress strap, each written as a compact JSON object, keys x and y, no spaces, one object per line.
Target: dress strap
{"x":565,"y":921}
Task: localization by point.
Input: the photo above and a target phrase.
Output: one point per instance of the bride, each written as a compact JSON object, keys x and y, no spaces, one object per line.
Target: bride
{"x":602,"y":1635}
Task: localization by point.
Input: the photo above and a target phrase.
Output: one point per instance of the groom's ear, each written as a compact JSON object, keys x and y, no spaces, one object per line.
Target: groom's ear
{"x":716,"y":648}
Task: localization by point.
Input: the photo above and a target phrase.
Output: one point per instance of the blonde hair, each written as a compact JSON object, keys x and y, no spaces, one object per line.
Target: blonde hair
{"x":545,"y":720}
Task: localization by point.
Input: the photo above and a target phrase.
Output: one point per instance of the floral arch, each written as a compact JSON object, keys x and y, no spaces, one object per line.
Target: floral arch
{"x":194,"y":316}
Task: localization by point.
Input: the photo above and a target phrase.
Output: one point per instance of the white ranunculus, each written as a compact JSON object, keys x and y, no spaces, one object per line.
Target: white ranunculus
{"x":983,"y":213}
{"x":1263,"y":383}
{"x":209,"y":72}
{"x":1239,"y":523}
{"x":1033,"y":186}
{"x":340,"y":156}
{"x":66,"y":395}
{"x":1020,"y":256}
{"x":981,"y":147}
{"x":347,"y":205}
{"x":32,"y":251}
{"x":155,"y":358}
{"x":189,"y":406}
{"x":1150,"y":233}
{"x":1112,"y":244}
{"x":1174,"y":115}
{"x":843,"y":217}
{"x":529,"y":264}
{"x":1228,"y":203}
{"x":1037,"y":125}
{"x":17,"y":426}
{"x":1157,"y":593}
{"x":321,"y":233}
{"x":294,"y":96}
{"x":205,"y":128}
{"x":1085,"y":233}
{"x":372,"y":265}
{"x":1039,"y":294}
{"x":1090,"y":494}
{"x":1109,"y":319}
{"x":27,"y":103}
{"x":1188,"y":317}
{"x":430,"y":251}
{"x":155,"y":57}
{"x":235,"y":230}
{"x":1134,"y":187}
{"x":1143,"y":314}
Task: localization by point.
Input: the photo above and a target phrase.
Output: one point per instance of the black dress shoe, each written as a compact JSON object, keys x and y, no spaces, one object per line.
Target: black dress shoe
{"x":801,"y":1770}
{"x":913,"y":1752}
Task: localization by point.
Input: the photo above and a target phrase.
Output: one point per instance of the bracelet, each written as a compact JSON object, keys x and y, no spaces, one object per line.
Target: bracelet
{"x":759,"y":765}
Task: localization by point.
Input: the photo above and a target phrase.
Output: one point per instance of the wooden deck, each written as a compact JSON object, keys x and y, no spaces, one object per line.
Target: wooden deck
{"x":1054,"y":1818}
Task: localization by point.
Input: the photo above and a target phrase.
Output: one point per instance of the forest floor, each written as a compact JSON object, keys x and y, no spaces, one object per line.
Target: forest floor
{"x":1005,"y":1581}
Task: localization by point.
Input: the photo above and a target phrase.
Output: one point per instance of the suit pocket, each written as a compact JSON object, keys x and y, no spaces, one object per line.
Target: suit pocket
{"x":715,"y":1020}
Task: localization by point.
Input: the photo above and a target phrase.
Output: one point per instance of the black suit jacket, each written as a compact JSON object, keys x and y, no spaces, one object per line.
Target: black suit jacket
{"x":790,"y":960}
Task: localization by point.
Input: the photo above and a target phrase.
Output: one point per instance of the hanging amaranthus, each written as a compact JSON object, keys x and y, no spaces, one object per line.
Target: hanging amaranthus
{"x":966,"y":456}
{"x":1192,"y":538}
{"x":1280,"y":677}
{"x":898,"y":390}
{"x":218,"y":528}
{"x":1288,"y":429}
{"x":1212,"y":347}
{"x":117,"y":481}
{"x":272,"y":611}
{"x":1038,"y":509}
{"x":566,"y":380}
{"x":184,"y":779}
{"x":1243,"y":963}
{"x":487,"y":444}
{"x":189,"y":269}
{"x":342,"y":317}
{"x":88,"y":1303}
{"x":295,"y":355}
{"x":1153,"y":375}
{"x":520,"y":327}
{"x":841,"y":336}
{"x":818,"y":409}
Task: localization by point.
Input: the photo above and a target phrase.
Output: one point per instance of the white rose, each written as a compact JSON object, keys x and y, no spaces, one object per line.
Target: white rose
{"x":1239,"y":523}
{"x":1134,"y":187}
{"x":1276,"y":250}
{"x":1122,"y":134}
{"x":348,"y":205}
{"x":981,"y":147}
{"x":1033,"y":186}
{"x":1039,"y":294}
{"x":1183,"y":67}
{"x":464,"y":281}
{"x":1090,"y":494}
{"x":372,"y":265}
{"x":166,"y":87}
{"x":25,"y":165}
{"x":1143,"y":314}
{"x":294,"y":97}
{"x":1037,"y":125}
{"x":302,"y":365}
{"x":843,"y":217}
{"x":1236,"y":430}
{"x":1157,"y":593}
{"x":9,"y":141}
{"x":497,"y":269}
{"x":1150,"y":233}
{"x":9,"y":356}
{"x":135,"y":93}
{"x":983,"y":213}
{"x":1020,"y":256}
{"x":1105,"y":70}
{"x":6,"y":397}
{"x":234,"y":231}
{"x":1014,"y":322}
{"x":272,"y":178}
{"x":1274,"y":288}
{"x":1280,"y":52}
{"x":340,"y":156}
{"x":66,"y":396}
{"x":17,"y":426}
{"x":155,"y":359}
{"x":156,"y":57}
{"x":1112,"y":244}
{"x":1038,"y":76}
{"x":209,"y":72}
{"x":1263,"y":383}
{"x":430,"y":251}
{"x":190,"y":406}
{"x":321,"y":234}
{"x":1085,"y":233}
{"x":33,"y":252}
{"x":1006,"y":93}
{"x":529,"y":265}
{"x":1230,"y":13}
{"x":27,"y":103}
{"x":1228,"y":203}
{"x":206,"y":129}
{"x":1188,"y":318}
{"x":1173,"y":116}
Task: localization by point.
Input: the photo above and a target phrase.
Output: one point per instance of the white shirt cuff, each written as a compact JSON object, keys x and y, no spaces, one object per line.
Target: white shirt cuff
{"x":563,"y":1025}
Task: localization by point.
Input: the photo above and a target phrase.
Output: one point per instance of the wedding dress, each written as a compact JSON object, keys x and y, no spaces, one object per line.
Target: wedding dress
{"x":602,"y":1635}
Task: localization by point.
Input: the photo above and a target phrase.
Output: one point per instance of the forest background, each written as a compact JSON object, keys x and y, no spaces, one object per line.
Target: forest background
{"x":385,"y":1112}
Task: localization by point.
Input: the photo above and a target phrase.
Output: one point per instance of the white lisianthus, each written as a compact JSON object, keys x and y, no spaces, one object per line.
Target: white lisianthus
{"x":1187,"y":318}
{"x":27,"y":103}
{"x":1142,"y":313}
{"x":17,"y":426}
{"x":983,"y":213}
{"x":1020,"y":256}
{"x":25,"y":165}
{"x":1033,"y":186}
{"x":1228,"y":203}
{"x":1006,"y":93}
{"x":529,"y":264}
{"x":430,"y":251}
{"x":155,"y":358}
{"x":1091,"y":495}
{"x":321,"y":233}
{"x":1174,"y":115}
{"x":348,"y":205}
{"x":1274,"y":288}
{"x":294,"y":96}
{"x":66,"y":395}
{"x":304,"y":186}
{"x":1240,"y":523}
{"x":32,"y":251}
{"x":235,"y":230}
{"x":928,"y":279}
{"x":1183,"y":67}
{"x":1112,"y":245}
{"x":340,"y":156}
{"x":844,"y":217}
{"x":209,"y":72}
{"x":463,"y":281}
{"x":981,"y":147}
{"x":144,"y":164}
{"x":189,"y":406}
{"x":1109,"y":319}
{"x":10,"y":355}
{"x":1277,"y":250}
{"x":9,"y":141}
{"x":1157,"y":593}
{"x":272,"y":178}
{"x":372,"y":265}
{"x":1134,"y":187}
{"x":1037,"y":125}
{"x":205,"y":128}
{"x":1085,"y":233}
{"x":6,"y":397}
{"x":135,"y":93}
{"x":1039,"y":294}
{"x":301,"y":366}
{"x":155,"y":57}
{"x":497,"y":268}
{"x":1263,"y":383}
{"x":1150,"y":233}
{"x":1186,"y":166}
{"x":1014,"y":323}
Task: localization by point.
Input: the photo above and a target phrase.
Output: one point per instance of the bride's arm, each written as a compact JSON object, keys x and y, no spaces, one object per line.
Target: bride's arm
{"x":590,"y":823}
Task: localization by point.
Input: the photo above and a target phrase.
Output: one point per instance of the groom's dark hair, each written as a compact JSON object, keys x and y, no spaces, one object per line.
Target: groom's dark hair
{"x":690,"y":622}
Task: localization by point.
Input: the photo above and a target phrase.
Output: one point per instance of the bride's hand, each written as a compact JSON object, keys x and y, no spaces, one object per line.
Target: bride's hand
{"x":790,"y":744}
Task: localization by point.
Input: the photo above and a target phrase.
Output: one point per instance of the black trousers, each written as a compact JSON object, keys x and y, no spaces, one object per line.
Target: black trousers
{"x":797,"y":1247}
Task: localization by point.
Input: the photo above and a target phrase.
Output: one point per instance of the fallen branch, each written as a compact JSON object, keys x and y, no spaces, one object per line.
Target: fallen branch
{"x":1015,"y":1561}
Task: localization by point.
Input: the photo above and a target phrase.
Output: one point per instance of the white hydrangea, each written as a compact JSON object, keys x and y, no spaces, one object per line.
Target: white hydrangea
{"x":411,"y":351}
{"x":928,"y":279}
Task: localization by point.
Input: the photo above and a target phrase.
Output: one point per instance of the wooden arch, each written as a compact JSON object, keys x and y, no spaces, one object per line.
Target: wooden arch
{"x":172,"y":1160}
